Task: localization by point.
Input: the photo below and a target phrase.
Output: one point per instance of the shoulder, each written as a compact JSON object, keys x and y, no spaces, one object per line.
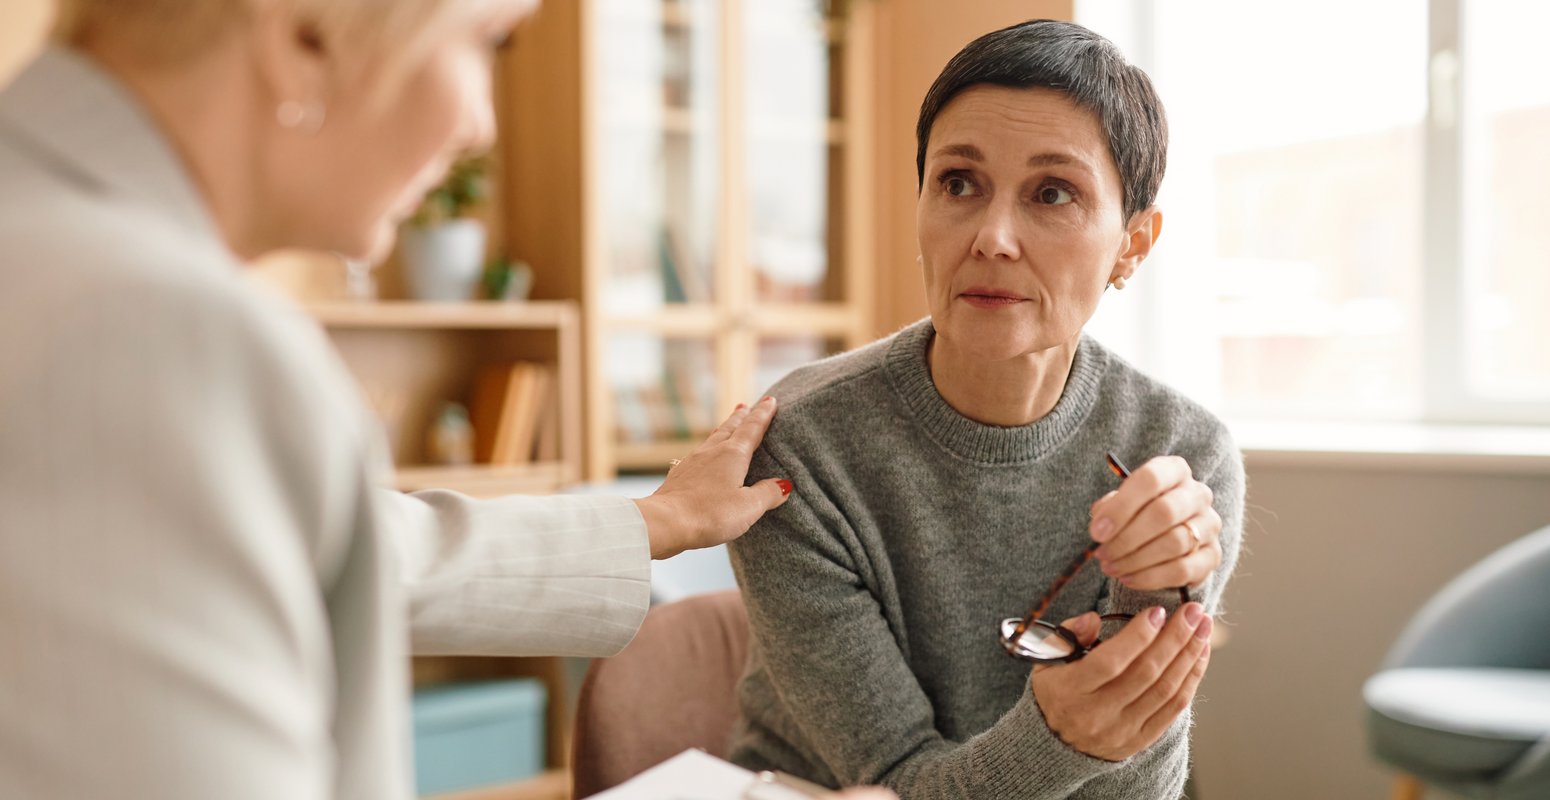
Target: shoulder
{"x":1168,"y":420}
{"x":825,"y":403}
{"x":820,"y":382}
{"x":123,"y":300}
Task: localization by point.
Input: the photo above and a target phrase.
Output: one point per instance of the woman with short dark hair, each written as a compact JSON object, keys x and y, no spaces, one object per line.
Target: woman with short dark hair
{"x":963,"y":469}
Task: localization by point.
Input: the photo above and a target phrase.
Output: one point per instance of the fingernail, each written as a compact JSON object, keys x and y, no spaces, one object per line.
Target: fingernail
{"x":785,"y":487}
{"x":767,"y":399}
{"x":1192,"y":613}
{"x":1156,"y":616}
{"x":1107,"y":568}
{"x":1102,"y":528}
{"x":740,"y":406}
{"x":1204,"y":629}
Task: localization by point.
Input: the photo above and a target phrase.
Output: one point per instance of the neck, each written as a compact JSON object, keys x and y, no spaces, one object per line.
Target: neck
{"x":206,"y":110}
{"x":1008,"y":392}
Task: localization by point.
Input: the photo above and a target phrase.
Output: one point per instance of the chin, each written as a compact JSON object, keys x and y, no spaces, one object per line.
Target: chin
{"x":988,"y":338}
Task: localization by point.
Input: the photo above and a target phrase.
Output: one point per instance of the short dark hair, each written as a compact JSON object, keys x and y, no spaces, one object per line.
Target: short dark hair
{"x":1046,"y":53}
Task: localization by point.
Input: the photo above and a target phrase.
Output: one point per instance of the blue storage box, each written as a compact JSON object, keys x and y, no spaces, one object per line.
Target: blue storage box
{"x":468,"y":735}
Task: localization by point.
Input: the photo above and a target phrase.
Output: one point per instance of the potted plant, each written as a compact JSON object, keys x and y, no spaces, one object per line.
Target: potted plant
{"x":442,"y":248}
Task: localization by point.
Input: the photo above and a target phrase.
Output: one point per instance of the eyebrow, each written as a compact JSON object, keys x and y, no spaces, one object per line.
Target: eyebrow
{"x":973,"y":153}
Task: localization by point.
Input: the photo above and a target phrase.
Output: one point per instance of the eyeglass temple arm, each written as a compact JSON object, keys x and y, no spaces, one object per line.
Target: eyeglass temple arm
{"x":1123,"y":472}
{"x":1037,"y":612}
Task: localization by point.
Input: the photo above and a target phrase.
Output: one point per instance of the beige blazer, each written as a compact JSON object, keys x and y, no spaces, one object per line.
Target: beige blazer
{"x":202,"y":593}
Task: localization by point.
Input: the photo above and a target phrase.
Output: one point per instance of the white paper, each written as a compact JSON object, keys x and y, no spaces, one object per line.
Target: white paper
{"x":690,"y":775}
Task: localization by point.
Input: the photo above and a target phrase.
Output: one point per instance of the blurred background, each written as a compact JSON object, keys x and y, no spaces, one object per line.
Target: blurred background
{"x":691,"y":197}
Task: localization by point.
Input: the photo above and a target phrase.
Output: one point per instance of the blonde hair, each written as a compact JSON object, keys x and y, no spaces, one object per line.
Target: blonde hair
{"x":393,"y":32}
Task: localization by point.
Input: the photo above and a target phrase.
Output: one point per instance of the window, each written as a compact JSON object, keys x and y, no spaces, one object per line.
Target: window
{"x":1353,"y":208}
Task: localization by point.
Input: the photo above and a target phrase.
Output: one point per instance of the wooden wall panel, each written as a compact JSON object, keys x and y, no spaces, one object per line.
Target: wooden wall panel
{"x":915,"y":38}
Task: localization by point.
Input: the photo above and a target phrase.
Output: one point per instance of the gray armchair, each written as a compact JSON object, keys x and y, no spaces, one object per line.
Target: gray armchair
{"x":1463,"y":700}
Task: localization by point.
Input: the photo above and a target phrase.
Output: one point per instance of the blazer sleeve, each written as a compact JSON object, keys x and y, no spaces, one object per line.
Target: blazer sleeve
{"x":520,"y":575}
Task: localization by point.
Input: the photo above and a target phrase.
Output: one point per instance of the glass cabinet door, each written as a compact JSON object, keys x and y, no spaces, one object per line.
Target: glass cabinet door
{"x":665,"y":396}
{"x":657,"y":107}
{"x":779,"y":355}
{"x":792,"y":98}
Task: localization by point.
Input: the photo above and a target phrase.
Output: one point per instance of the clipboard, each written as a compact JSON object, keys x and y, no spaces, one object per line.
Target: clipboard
{"x":697,"y":775}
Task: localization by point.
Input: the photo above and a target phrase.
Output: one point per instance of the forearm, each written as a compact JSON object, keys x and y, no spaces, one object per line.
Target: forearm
{"x":1019,"y":758}
{"x":520,"y":575}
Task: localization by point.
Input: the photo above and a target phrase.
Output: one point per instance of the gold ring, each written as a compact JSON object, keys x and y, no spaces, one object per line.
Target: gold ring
{"x":1193,"y":534}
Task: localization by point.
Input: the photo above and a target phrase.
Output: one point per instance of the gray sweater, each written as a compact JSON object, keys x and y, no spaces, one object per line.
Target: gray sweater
{"x":876,"y":591}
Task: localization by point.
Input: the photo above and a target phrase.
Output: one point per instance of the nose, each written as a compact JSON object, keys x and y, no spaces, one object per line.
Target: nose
{"x":997,"y":234}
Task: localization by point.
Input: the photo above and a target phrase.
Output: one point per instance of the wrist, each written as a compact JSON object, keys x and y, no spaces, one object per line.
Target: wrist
{"x":663,"y":526}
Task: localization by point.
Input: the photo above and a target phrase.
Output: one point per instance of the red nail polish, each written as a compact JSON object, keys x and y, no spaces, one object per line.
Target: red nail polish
{"x":785,"y":487}
{"x":740,"y":406}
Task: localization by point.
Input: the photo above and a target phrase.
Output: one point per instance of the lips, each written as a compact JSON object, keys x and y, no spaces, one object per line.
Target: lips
{"x":987,"y":297}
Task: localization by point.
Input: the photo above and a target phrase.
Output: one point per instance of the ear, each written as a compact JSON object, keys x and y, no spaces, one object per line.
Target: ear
{"x":1140,"y":235}
{"x":291,"y":58}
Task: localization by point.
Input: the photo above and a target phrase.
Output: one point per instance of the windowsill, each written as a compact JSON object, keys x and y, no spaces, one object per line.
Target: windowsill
{"x":1396,"y":446}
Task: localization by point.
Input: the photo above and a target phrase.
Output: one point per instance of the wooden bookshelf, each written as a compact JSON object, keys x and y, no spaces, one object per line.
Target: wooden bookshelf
{"x":411,"y":357}
{"x":474,"y":315}
{"x":485,"y":480}
{"x":691,"y":218}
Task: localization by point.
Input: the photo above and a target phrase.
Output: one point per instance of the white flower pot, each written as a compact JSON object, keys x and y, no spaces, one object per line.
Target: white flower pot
{"x":443,"y":262}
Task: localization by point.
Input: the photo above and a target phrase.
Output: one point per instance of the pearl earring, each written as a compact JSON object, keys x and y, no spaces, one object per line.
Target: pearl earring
{"x":304,"y":117}
{"x":1118,"y":282}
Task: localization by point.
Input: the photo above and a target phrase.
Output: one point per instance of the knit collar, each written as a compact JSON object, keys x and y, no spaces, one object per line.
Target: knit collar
{"x":910,"y":375}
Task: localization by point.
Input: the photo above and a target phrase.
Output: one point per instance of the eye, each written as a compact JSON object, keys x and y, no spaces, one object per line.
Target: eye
{"x":957,"y":184}
{"x":1052,"y":195}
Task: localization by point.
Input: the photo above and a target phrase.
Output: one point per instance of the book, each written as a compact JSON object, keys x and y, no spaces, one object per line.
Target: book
{"x":526,"y":403}
{"x":507,"y":404}
{"x":487,"y":409}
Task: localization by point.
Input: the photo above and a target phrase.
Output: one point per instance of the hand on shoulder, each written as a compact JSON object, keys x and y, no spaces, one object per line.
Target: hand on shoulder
{"x":703,"y":502}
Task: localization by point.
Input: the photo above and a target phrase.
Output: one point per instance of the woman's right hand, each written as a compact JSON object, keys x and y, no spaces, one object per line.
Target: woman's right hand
{"x":703,"y":501}
{"x":1122,"y":696}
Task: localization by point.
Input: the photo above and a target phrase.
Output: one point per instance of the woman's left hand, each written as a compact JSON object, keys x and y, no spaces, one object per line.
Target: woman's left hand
{"x":1158,"y":529}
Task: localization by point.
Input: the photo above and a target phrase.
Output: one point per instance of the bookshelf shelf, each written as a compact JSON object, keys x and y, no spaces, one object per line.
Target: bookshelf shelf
{"x":651,"y":456}
{"x":485,"y":480}
{"x":408,"y":314}
{"x":674,"y":320}
{"x":825,"y":319}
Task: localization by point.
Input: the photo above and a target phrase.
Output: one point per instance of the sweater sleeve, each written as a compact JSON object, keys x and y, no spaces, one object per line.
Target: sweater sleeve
{"x":837,"y":667}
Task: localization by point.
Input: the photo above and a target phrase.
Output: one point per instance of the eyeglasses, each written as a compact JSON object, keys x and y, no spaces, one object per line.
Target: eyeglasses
{"x":1030,"y":638}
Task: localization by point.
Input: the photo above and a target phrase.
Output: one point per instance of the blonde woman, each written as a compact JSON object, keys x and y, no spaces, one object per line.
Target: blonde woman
{"x":202,"y":593}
